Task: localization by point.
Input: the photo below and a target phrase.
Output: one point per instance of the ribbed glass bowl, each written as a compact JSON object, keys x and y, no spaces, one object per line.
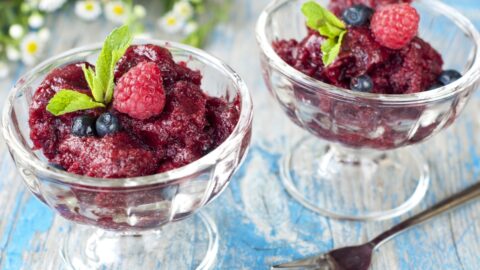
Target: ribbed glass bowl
{"x":133,"y":213}
{"x":347,"y":166}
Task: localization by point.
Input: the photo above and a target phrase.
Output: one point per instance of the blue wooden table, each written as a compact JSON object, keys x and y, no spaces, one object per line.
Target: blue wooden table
{"x":259,"y":224}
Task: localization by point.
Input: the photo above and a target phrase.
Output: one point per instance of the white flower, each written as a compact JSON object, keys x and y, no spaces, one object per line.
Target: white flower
{"x":50,"y":5}
{"x":139,"y":11}
{"x":44,"y":34}
{"x":4,"y":70}
{"x":31,"y":48}
{"x":190,"y":28}
{"x":12,"y":53}
{"x":171,"y":23}
{"x":16,"y":31}
{"x":36,"y":20}
{"x":183,"y":9}
{"x":88,"y":10}
{"x":116,"y":11}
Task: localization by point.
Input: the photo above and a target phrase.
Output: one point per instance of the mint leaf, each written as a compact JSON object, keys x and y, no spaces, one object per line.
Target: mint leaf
{"x":313,"y":14}
{"x":328,"y":45}
{"x":67,"y":101}
{"x":89,"y":77}
{"x":332,"y":19}
{"x":329,"y":26}
{"x":113,"y":49}
{"x":330,"y":31}
{"x":331,"y":48}
{"x":116,"y":55}
{"x":318,"y":16}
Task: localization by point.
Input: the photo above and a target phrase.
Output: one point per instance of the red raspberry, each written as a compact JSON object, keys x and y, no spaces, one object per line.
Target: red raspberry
{"x":139,"y":92}
{"x":394,"y":26}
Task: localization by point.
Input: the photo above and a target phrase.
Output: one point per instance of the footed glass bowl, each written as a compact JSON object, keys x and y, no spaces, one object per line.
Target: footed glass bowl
{"x":355,"y":165}
{"x":133,"y":220}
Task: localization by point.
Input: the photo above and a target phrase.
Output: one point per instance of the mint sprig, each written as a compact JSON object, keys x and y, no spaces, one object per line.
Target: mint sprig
{"x":67,"y":101}
{"x":100,"y":81}
{"x":329,"y":26}
{"x":331,"y":48}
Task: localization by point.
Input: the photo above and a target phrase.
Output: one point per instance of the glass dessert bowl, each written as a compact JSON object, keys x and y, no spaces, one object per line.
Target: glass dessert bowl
{"x":357,"y":165}
{"x":133,"y":220}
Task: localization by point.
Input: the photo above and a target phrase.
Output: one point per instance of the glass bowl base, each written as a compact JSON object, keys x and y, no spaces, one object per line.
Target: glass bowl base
{"x":352,"y":184}
{"x":188,"y":244}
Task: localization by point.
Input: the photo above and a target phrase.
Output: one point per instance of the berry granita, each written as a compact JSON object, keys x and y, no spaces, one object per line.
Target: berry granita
{"x":159,"y":120}
{"x":371,"y":47}
{"x":361,"y":54}
{"x":134,"y":114}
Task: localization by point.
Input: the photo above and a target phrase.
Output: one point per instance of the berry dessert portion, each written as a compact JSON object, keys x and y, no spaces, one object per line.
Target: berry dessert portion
{"x":135,"y":113}
{"x":365,"y":46}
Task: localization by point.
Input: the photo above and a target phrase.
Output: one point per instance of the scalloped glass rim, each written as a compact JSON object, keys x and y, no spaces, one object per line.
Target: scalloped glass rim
{"x":470,"y":77}
{"x":55,"y":175}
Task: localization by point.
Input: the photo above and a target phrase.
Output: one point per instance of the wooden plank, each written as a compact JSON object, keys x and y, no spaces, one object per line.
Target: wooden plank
{"x":259,"y":224}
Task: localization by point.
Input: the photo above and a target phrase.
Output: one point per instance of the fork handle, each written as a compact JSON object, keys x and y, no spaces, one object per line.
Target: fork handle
{"x":439,"y":208}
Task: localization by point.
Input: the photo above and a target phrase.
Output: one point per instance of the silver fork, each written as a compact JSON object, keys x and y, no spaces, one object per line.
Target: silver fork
{"x":360,"y":257}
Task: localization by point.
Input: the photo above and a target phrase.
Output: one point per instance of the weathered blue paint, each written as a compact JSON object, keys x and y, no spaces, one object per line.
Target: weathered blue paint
{"x":33,"y":217}
{"x":244,"y":244}
{"x":10,"y":225}
{"x":474,"y":163}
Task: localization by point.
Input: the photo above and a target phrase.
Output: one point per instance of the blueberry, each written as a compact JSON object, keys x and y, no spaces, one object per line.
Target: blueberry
{"x":107,"y":123}
{"x":449,"y":76}
{"x":357,"y":15}
{"x":83,"y":126}
{"x":362,"y":83}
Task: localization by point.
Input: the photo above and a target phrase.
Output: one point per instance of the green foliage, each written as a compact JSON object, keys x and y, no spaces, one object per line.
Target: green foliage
{"x":100,"y":81}
{"x":113,"y":49}
{"x":67,"y":101}
{"x":329,"y":26}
